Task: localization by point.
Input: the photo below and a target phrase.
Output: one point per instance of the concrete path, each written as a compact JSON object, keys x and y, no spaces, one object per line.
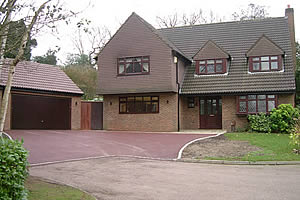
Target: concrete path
{"x":53,"y":145}
{"x":129,"y":178}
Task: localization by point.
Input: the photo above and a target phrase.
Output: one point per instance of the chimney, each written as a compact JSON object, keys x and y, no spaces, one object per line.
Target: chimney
{"x":289,"y":13}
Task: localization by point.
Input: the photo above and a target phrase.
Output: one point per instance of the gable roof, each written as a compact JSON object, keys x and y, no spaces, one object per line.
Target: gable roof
{"x":210,"y":50}
{"x":36,"y":76}
{"x":236,"y":38}
{"x":152,"y":29}
{"x":264,"y":46}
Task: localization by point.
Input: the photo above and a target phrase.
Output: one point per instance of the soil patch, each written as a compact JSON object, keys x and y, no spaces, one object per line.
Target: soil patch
{"x":218,"y":147}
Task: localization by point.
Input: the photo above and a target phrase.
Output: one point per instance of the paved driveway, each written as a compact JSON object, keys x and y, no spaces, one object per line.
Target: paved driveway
{"x":53,"y":145}
{"x":135,"y":179}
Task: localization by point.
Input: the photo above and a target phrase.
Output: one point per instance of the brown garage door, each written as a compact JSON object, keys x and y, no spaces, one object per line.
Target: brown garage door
{"x":40,"y":112}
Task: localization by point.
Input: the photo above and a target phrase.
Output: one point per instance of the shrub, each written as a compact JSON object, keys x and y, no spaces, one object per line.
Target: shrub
{"x":13,"y":170}
{"x":295,"y":137}
{"x":260,"y":123}
{"x":284,"y":118}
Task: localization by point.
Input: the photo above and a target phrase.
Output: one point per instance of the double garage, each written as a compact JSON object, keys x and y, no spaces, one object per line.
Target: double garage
{"x":40,"y":112}
{"x":42,"y":97}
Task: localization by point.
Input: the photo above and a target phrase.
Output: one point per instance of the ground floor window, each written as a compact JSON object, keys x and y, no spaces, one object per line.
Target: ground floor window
{"x":251,"y":104}
{"x":138,"y":104}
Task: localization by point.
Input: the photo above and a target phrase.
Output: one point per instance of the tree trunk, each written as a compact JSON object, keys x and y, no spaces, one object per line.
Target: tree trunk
{"x":20,"y":55}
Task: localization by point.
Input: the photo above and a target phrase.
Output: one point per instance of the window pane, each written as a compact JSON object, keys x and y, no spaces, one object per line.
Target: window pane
{"x":256,"y":66}
{"x":218,"y":61}
{"x":154,"y":98}
{"x":252,"y":106}
{"x":265,"y":66}
{"x":209,"y":103}
{"x":129,"y":60}
{"x":255,"y":59}
{"x":130,"y":99}
{"x":121,"y":69}
{"x":242,"y":106}
{"x":201,"y":107}
{"x":202,"y":62}
{"x":261,"y":106}
{"x":261,"y":96}
{"x":219,"y":68}
{"x":148,"y":107}
{"x":210,"y":68}
{"x":274,"y":57}
{"x":271,"y":96}
{"x":145,"y":67}
{"x":145,"y":58}
{"x":271,"y":105}
{"x":274,"y":65}
{"x":214,"y":107}
{"x":211,"y":62}
{"x":138,"y":98}
{"x":251,"y":96}
{"x":220,"y":107}
{"x":202,"y":69}
{"x":137,"y":59}
{"x":265,"y":58}
{"x":137,"y":67}
{"x":130,"y":107}
{"x":147,"y":98}
{"x":122,"y":107}
{"x":129,"y":68}
{"x":242,"y":97}
{"x":121,"y":60}
{"x":123,"y":99}
{"x":154,"y":106}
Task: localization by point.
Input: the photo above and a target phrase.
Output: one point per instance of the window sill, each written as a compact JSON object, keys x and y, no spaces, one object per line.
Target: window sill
{"x":133,"y":74}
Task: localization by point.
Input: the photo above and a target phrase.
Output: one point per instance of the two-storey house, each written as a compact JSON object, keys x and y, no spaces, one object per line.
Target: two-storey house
{"x":208,"y":76}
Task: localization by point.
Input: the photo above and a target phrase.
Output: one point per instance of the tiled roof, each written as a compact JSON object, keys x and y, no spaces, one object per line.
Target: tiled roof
{"x":236,"y":38}
{"x":36,"y":76}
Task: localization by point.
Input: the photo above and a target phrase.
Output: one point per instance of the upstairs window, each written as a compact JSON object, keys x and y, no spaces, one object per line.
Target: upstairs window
{"x":134,"y":65}
{"x":265,"y":63}
{"x":252,"y":104}
{"x":212,"y":66}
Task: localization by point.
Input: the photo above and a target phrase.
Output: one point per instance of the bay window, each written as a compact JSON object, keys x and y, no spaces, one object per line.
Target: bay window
{"x":251,"y":104}
{"x":134,"y":65}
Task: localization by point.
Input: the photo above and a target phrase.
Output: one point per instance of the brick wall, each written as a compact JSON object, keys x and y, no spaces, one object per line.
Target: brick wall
{"x":165,"y":120}
{"x":229,"y":115}
{"x":189,"y":117}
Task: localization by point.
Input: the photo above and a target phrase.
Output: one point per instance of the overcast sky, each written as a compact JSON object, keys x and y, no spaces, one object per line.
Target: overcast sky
{"x":112,"y":13}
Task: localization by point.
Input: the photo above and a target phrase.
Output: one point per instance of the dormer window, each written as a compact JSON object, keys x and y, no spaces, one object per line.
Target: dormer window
{"x":265,"y":63}
{"x":134,"y":65}
{"x":211,"y":66}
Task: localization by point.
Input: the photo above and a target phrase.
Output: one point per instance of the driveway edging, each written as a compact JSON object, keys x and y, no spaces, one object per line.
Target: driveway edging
{"x":195,"y":140}
{"x":228,"y":162}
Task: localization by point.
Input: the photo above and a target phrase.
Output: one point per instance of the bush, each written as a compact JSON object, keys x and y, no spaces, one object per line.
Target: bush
{"x":260,"y":123}
{"x":284,"y":118}
{"x":295,"y":137}
{"x":13,"y":170}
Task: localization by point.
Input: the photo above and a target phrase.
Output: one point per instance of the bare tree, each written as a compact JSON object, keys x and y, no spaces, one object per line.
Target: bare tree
{"x":91,"y":40}
{"x":36,"y":18}
{"x":252,"y":12}
{"x":191,"y":19}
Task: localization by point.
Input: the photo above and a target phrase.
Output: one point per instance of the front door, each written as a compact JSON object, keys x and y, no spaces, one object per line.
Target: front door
{"x":210,"y":112}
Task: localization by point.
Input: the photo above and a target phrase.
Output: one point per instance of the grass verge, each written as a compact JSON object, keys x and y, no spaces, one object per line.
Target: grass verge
{"x":39,"y":189}
{"x":275,"y":147}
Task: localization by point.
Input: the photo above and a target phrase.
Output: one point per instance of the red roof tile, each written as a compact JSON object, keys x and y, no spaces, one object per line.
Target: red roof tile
{"x":31,"y":75}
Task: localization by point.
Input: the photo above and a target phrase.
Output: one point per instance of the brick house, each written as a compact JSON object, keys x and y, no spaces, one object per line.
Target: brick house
{"x":42,"y":97}
{"x":208,"y":76}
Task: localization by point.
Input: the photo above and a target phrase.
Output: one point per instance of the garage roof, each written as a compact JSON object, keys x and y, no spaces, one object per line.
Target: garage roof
{"x":36,"y":76}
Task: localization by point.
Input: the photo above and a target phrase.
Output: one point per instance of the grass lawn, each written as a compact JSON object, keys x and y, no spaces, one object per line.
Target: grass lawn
{"x":275,"y":147}
{"x":39,"y":189}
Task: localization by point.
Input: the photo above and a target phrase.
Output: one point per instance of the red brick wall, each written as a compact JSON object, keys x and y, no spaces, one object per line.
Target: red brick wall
{"x":189,"y":117}
{"x":165,"y":120}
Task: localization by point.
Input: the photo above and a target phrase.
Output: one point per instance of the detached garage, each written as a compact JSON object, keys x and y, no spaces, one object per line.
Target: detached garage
{"x":42,"y":97}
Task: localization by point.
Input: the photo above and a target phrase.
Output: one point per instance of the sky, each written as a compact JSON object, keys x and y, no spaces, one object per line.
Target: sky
{"x":112,"y":13}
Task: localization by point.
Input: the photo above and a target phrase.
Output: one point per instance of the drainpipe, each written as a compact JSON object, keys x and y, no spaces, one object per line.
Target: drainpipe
{"x":178,"y":97}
